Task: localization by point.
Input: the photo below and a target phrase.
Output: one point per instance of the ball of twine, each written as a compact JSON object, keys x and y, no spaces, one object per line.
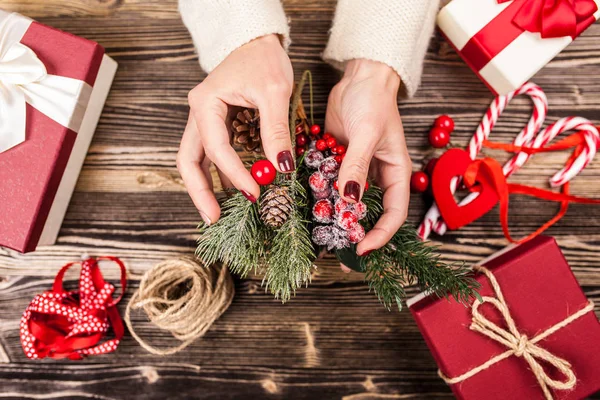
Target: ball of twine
{"x":181,"y":297}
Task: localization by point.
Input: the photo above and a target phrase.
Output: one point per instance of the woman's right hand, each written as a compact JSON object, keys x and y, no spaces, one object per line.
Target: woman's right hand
{"x":257,"y":75}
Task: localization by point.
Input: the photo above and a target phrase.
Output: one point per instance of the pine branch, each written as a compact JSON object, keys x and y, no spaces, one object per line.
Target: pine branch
{"x":373,"y":198}
{"x":290,"y":259}
{"x":237,"y":239}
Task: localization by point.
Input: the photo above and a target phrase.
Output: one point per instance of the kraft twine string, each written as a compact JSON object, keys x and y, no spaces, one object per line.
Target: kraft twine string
{"x":182,"y":297}
{"x":519,"y":344}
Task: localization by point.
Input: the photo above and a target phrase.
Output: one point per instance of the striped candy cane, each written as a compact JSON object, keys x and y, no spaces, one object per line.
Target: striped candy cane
{"x":433,"y":220}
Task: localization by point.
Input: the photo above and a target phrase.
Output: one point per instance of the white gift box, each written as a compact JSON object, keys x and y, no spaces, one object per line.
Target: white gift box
{"x":489,"y":35}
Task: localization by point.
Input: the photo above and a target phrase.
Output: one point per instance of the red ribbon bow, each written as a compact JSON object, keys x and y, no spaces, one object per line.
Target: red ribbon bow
{"x":61,"y":324}
{"x":554,"y":18}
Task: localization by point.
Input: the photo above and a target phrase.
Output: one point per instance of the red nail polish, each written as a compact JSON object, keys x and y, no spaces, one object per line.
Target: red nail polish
{"x":247,"y":195}
{"x":285,"y":161}
{"x":352,"y":190}
{"x":366,"y":253}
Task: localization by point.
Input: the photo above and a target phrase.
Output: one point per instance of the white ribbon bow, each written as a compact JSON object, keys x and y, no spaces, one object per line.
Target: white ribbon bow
{"x":24,"y":79}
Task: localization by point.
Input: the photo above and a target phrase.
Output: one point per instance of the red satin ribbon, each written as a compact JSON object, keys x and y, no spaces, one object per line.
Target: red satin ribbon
{"x":550,"y":18}
{"x":60,"y":324}
{"x":489,"y":172}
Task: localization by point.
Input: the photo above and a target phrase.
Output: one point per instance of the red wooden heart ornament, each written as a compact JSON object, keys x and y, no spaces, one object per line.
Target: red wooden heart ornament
{"x":451,"y":164}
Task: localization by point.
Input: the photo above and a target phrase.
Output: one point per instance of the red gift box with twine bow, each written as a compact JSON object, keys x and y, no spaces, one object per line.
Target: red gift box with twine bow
{"x":505,"y":42}
{"x":533,"y":335}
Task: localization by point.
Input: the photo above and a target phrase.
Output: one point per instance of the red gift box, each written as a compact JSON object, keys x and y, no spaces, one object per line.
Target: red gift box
{"x":38,"y":176}
{"x":540,"y":292}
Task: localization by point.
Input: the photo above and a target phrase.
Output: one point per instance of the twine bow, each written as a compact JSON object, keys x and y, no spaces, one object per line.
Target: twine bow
{"x":25,"y":80}
{"x":518,"y":344}
{"x":554,"y":18}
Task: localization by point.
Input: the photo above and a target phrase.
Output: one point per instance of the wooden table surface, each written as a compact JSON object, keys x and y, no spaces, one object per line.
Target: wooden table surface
{"x":333,"y":340}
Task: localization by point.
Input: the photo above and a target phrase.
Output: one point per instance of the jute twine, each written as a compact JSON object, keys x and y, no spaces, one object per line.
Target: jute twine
{"x":181,"y":297}
{"x":519,"y":344}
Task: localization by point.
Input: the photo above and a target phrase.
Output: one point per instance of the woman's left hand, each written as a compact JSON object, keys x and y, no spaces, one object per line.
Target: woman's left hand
{"x":362,"y":112}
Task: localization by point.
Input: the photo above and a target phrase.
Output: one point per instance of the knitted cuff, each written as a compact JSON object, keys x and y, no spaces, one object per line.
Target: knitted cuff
{"x":395,"y":33}
{"x":220,"y":26}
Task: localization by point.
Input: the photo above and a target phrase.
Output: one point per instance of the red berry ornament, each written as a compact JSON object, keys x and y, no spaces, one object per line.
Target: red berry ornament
{"x":439,"y":138}
{"x":341,"y":205}
{"x":315,"y":130}
{"x":444,"y":122}
{"x":326,"y":135}
{"x":430,"y":166}
{"x":299,"y":129}
{"x":331,"y":142}
{"x":360,"y":209}
{"x":419,"y":182}
{"x":336,"y":185}
{"x":356,"y":234}
{"x":321,"y":145}
{"x":339,"y":158}
{"x":329,"y":167}
{"x":366,"y":186}
{"x":318,"y":182}
{"x":300,"y":151}
{"x":263,"y":172}
{"x":323,"y":211}
{"x":301,"y":140}
{"x":339,"y":149}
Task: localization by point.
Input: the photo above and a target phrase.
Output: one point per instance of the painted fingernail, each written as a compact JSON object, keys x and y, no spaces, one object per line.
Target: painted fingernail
{"x":352,"y":190}
{"x":285,"y":161}
{"x":205,"y":218}
{"x":247,"y":195}
{"x":366,"y":253}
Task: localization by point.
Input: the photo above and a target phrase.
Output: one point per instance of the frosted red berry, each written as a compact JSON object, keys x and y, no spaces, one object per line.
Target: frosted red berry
{"x":301,"y":140}
{"x":323,"y":211}
{"x":444,"y":122}
{"x":263,"y":172}
{"x":321,"y":145}
{"x":331,"y":142}
{"x":419,"y":182}
{"x":315,"y":130}
{"x":430,"y":166}
{"x":318,"y":182}
{"x":323,"y":194}
{"x":360,"y":209}
{"x":439,"y":138}
{"x":347,"y":220}
{"x":336,"y":185}
{"x":341,"y":205}
{"x":329,"y":168}
{"x":313,"y":159}
{"x":356,"y":234}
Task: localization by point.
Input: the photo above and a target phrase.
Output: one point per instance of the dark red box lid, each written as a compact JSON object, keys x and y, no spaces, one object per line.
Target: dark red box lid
{"x":540,"y":291}
{"x":31,"y":172}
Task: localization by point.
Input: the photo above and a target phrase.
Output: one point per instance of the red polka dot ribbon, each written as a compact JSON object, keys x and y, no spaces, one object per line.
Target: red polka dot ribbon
{"x":61,"y":324}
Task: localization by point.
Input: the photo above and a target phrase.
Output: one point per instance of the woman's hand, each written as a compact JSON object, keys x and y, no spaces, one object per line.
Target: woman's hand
{"x":256,"y":75}
{"x":363,"y":112}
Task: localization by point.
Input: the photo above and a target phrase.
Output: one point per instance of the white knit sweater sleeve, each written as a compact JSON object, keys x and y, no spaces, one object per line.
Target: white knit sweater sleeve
{"x":394,"y":32}
{"x":220,"y":26}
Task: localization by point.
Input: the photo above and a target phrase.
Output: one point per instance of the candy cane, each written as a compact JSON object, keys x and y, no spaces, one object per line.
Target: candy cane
{"x":433,"y":220}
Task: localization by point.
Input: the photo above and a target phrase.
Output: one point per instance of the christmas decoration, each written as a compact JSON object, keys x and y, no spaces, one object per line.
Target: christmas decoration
{"x":419,"y":182}
{"x":315,"y":130}
{"x":186,"y":312}
{"x":531,"y":334}
{"x":246,"y":130}
{"x":276,"y":206}
{"x":263,"y":172}
{"x":52,"y":81}
{"x":486,"y":180}
{"x":439,"y":137}
{"x":62,"y":324}
{"x":532,"y":33}
{"x":444,"y":122}
{"x":281,"y":235}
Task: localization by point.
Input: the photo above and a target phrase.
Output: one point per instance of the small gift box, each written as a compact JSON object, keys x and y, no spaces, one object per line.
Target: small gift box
{"x":507,"y":41}
{"x":54,"y":86}
{"x":532,"y":335}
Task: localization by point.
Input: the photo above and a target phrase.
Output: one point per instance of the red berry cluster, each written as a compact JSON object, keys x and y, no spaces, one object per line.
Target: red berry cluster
{"x":337,"y":220}
{"x":439,"y":137}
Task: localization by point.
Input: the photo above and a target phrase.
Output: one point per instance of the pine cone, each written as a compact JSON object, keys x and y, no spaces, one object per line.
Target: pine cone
{"x":246,"y":130}
{"x":276,"y":206}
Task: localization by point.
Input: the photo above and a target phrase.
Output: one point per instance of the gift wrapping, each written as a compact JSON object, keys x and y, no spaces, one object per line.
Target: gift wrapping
{"x":54,"y":87}
{"x":540,"y":291}
{"x":507,"y":41}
